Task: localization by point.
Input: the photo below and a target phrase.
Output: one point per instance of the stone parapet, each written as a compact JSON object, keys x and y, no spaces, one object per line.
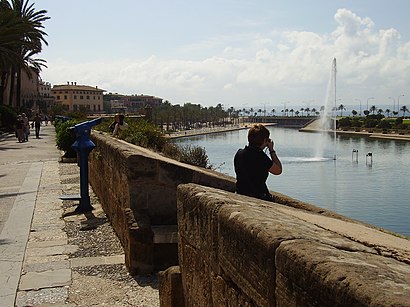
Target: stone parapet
{"x":137,"y":190}
{"x":240,"y":251}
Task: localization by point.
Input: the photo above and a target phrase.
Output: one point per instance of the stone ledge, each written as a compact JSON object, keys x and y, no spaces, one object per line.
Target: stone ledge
{"x":245,"y":251}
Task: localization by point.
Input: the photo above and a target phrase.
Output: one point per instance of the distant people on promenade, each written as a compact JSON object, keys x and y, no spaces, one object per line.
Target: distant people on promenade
{"x":20,"y":129}
{"x":26,"y":128}
{"x":37,"y":124}
{"x":252,"y":165}
{"x":118,"y":124}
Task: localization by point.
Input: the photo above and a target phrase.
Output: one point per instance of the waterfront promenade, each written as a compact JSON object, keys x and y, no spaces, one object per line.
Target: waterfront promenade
{"x":46,"y":259}
{"x":312,"y":127}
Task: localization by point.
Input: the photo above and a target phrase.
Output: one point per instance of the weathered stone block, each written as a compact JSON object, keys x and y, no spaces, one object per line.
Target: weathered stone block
{"x":170,"y":287}
{"x":315,"y":274}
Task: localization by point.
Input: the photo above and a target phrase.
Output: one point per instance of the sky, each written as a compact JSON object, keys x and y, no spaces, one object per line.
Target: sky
{"x":240,"y":53}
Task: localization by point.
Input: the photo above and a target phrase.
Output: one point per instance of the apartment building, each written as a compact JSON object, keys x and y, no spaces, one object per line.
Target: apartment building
{"x":75,"y":97}
{"x":133,"y":103}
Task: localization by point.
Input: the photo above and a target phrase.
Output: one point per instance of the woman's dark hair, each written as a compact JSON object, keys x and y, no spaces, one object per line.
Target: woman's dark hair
{"x":257,"y":135}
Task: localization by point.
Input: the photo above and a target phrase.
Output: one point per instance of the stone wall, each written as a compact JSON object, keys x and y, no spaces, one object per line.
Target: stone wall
{"x":137,"y":189}
{"x":240,"y":251}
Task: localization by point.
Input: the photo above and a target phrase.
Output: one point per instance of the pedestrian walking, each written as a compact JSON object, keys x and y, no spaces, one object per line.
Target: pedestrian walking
{"x":37,"y":124}
{"x":19,"y":129}
{"x":26,"y":127}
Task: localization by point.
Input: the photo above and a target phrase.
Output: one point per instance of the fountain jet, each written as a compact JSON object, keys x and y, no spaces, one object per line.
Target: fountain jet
{"x":327,"y":122}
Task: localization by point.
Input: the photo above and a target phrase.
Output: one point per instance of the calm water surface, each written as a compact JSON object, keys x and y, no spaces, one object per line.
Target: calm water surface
{"x":372,"y":189}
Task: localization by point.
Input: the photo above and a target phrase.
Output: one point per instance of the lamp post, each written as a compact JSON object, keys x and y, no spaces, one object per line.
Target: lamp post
{"x":398,"y":103}
{"x":368,"y":102}
{"x":394,"y":102}
{"x":360,"y":106}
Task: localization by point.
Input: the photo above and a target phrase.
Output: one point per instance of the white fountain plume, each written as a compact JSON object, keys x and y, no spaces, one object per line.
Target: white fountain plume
{"x":327,"y":121}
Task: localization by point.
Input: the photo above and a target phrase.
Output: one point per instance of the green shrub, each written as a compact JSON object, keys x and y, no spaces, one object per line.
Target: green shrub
{"x":172,"y":150}
{"x":195,"y":155}
{"x":145,"y":134}
{"x":65,"y":137}
{"x":344,"y":122}
{"x":384,"y":124}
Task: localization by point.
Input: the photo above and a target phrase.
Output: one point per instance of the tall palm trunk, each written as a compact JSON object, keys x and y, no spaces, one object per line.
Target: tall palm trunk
{"x":18,"y":89}
{"x":12,"y":85}
{"x":3,"y":85}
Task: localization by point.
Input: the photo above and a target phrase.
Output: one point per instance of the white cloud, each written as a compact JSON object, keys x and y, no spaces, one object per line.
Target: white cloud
{"x":255,"y":68}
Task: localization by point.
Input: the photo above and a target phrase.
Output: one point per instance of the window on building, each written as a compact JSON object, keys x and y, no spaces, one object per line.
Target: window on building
{"x":81,"y":97}
{"x":65,"y":97}
{"x":88,"y":97}
{"x":75,"y":107}
{"x":75,"y":96}
{"x":58,"y":97}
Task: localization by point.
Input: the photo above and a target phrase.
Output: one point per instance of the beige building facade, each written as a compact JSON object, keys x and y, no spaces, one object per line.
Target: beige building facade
{"x":75,"y":97}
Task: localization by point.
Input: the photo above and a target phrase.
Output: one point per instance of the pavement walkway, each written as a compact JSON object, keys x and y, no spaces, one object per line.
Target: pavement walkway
{"x":48,"y":260}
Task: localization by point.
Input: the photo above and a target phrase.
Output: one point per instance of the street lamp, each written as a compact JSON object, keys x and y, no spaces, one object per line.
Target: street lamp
{"x":394,"y":102}
{"x":360,"y":106}
{"x":368,"y":102}
{"x":398,"y":103}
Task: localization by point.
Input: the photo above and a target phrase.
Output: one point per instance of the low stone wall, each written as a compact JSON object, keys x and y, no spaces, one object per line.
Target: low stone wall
{"x":240,"y":251}
{"x":137,"y":190}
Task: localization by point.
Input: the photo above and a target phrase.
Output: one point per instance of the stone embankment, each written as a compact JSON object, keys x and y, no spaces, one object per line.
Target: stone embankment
{"x":314,"y":126}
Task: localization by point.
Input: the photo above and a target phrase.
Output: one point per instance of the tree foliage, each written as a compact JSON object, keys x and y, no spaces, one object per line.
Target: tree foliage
{"x":21,"y":39}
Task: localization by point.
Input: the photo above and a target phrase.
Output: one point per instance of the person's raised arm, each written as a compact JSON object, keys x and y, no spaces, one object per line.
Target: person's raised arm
{"x":276,"y":167}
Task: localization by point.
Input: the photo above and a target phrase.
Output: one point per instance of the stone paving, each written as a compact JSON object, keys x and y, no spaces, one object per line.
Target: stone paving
{"x":50,"y":260}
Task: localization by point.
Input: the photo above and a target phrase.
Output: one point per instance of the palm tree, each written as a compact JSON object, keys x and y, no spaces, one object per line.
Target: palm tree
{"x":404,"y":110}
{"x":373,"y":109}
{"x":11,"y":26}
{"x":387,"y":112}
{"x":31,"y":38}
{"x":341,"y":108}
{"x":314,"y":111}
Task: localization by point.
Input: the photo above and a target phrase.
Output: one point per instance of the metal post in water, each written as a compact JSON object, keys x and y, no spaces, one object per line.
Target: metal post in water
{"x":355,"y":154}
{"x":369,"y":156}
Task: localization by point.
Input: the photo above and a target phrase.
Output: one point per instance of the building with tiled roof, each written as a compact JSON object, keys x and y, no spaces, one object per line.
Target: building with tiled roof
{"x":75,"y":97}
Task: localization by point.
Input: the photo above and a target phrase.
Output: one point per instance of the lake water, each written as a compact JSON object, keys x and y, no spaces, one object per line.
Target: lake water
{"x":371,"y":189}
